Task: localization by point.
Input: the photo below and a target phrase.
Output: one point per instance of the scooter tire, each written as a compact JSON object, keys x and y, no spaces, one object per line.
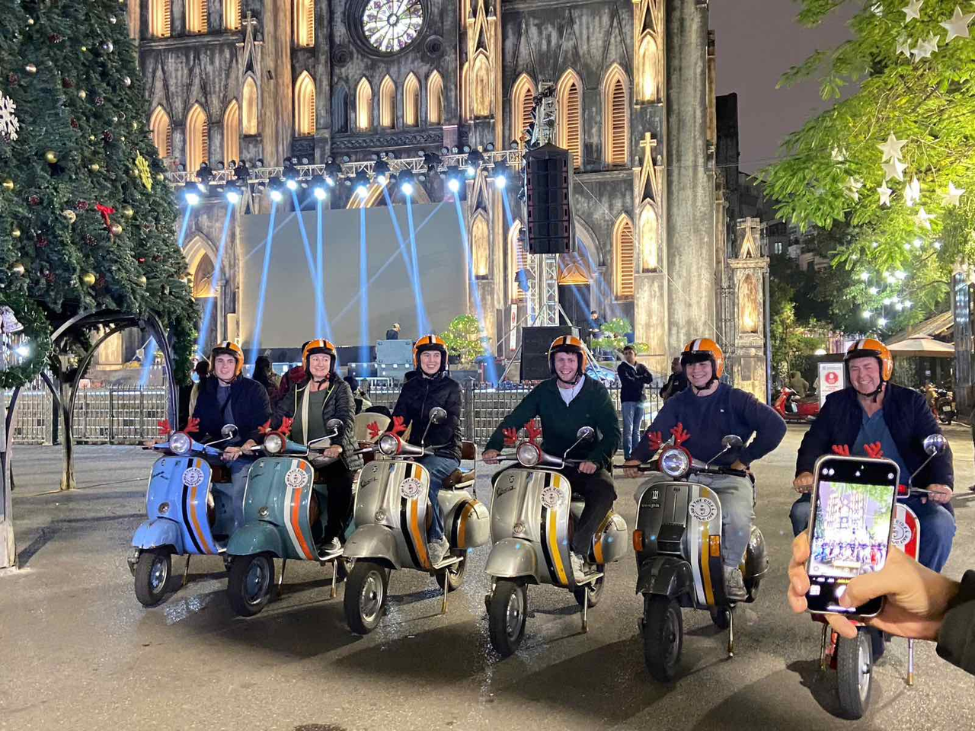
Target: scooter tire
{"x":365,"y":596}
{"x":595,"y":589}
{"x":854,"y":671}
{"x":507,"y":610}
{"x":151,"y":576}
{"x":247,"y":591}
{"x":663,"y":637}
{"x":453,"y":576}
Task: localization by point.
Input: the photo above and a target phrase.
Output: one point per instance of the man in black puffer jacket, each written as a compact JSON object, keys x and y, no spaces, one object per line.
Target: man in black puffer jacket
{"x":427,"y":388}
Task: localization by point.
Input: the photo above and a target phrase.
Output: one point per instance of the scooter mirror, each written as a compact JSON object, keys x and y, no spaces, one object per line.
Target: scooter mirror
{"x":438,"y":415}
{"x":334,"y":425}
{"x":935,"y":444}
{"x":229,"y":431}
{"x":585,"y":433}
{"x":731,"y":441}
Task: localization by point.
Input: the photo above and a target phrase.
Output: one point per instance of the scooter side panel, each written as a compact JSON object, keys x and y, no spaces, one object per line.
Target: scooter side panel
{"x":511,"y":558}
{"x":394,"y":494}
{"x":178,"y":490}
{"x":468,"y":523}
{"x":702,"y":543}
{"x":907,"y":531}
{"x":610,"y":543}
{"x":157,"y":533}
{"x":257,"y":537}
{"x":278,"y":493}
{"x":373,"y":541}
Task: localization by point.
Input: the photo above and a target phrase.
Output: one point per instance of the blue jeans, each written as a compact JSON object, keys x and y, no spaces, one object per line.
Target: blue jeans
{"x":439,"y":468}
{"x":632,"y":421}
{"x":238,"y":479}
{"x":937,"y":528}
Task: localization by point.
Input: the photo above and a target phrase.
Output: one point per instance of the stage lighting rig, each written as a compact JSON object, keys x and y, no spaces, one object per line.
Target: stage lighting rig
{"x":432,"y":162}
{"x":453,"y":178}
{"x":406,"y":182}
{"x":360,"y":184}
{"x":380,"y":171}
{"x":333,"y":171}
{"x":203,"y":177}
{"x":474,"y":161}
{"x":275,"y":191}
{"x":232,"y":193}
{"x":191,"y":197}
{"x":290,"y":174}
{"x":319,"y":187}
{"x":500,"y":174}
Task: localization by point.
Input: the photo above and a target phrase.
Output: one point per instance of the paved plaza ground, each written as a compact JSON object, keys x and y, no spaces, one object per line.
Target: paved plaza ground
{"x":78,"y":651}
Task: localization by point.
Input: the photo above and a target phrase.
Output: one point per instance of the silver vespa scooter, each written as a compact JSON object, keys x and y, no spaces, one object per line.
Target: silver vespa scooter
{"x":392,"y":514}
{"x":532,"y":514}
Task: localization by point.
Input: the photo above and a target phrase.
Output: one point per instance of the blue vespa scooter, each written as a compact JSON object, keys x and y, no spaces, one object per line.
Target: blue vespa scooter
{"x":189,"y":506}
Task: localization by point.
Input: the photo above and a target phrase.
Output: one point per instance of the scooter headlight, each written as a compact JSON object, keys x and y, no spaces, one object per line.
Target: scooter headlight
{"x":388,"y":445}
{"x":675,"y":462}
{"x":274,"y":443}
{"x":528,"y":454}
{"x":180,"y":443}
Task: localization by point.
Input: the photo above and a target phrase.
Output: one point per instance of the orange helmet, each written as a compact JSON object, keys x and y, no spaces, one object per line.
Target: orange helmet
{"x":704,"y":349}
{"x":430,"y":342}
{"x":870,"y":348}
{"x":568,"y":344}
{"x":228,"y":347}
{"x":319,"y":347}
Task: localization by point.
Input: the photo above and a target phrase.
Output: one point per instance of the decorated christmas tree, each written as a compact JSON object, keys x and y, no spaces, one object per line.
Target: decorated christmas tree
{"x":87,"y":221}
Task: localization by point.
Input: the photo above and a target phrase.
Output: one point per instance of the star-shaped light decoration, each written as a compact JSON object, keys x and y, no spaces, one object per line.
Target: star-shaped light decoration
{"x":839,"y":155}
{"x":892,"y":148}
{"x":957,"y":27}
{"x":953,"y":196}
{"x":885,"y":194}
{"x":893,"y":169}
{"x":912,"y":10}
{"x":924,"y":218}
{"x":925,"y":48}
{"x":912,"y":193}
{"x":852,"y":188}
{"x":904,"y":46}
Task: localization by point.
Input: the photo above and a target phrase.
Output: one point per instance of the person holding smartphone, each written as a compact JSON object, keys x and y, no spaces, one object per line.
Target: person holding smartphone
{"x":872,"y":410}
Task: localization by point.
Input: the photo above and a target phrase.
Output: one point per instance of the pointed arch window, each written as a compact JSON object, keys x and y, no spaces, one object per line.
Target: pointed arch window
{"x":519,"y":263}
{"x":340,"y":109}
{"x":479,"y":246}
{"x":363,"y":105}
{"x":161,"y":129}
{"x":196,"y":16}
{"x":249,"y":109}
{"x":304,"y":23}
{"x":522,"y":103}
{"x":411,"y":102}
{"x":481,"y":86}
{"x":570,"y":116}
{"x":435,"y":99}
{"x":649,"y":239}
{"x":387,"y":103}
{"x":623,"y":257}
{"x":465,"y":104}
{"x":646,"y":88}
{"x":231,"y":14}
{"x":197,"y":138}
{"x":231,"y":133}
{"x":616,"y":124}
{"x":203,"y":277}
{"x":160,"y":18}
{"x":305,"y":105}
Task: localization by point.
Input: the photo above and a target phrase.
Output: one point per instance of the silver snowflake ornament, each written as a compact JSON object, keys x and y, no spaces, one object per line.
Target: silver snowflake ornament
{"x":9,"y":124}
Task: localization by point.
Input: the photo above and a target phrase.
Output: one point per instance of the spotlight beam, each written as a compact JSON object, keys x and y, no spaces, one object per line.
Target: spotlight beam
{"x":320,"y":245}
{"x":259,"y":320}
{"x":520,"y":273}
{"x":491,"y":369}
{"x":363,"y":290}
{"x":308,"y":256}
{"x":410,"y":271}
{"x":217,"y":270}
{"x":422,"y":318}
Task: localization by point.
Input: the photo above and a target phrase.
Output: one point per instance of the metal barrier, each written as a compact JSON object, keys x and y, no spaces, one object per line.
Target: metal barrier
{"x":130,"y":415}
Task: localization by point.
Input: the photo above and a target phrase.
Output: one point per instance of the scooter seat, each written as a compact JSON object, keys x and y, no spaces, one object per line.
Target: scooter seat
{"x":456,"y":478}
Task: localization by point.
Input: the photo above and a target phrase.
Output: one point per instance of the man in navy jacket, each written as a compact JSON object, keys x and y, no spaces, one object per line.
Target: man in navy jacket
{"x":870,"y":410}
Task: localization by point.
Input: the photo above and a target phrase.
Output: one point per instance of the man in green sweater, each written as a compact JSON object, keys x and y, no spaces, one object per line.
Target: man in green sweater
{"x":566,"y":402}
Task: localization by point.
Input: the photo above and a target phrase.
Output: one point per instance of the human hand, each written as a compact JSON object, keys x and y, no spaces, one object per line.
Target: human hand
{"x":940,"y":494}
{"x":588,"y":468}
{"x":490,"y":456}
{"x":739,"y":465}
{"x":917,"y":597}
{"x":248,"y":446}
{"x":333,"y":452}
{"x":803,"y":482}
{"x":630,"y":468}
{"x":230,"y":454}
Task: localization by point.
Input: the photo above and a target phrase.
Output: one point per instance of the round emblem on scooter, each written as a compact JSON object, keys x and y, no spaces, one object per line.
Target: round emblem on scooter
{"x":553,"y":497}
{"x":295,"y":478}
{"x":703,"y":509}
{"x":902,"y":534}
{"x":411,"y":488}
{"x":193,"y":477}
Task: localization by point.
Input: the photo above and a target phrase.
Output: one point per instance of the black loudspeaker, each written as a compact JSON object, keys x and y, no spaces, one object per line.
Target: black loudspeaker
{"x":353,"y":353}
{"x":548,"y":195}
{"x":535,"y":342}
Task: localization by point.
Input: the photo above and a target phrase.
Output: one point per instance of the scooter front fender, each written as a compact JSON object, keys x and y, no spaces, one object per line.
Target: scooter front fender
{"x":255,"y":538}
{"x":157,"y":533}
{"x":665,"y":576}
{"x":511,"y":558}
{"x":375,"y":542}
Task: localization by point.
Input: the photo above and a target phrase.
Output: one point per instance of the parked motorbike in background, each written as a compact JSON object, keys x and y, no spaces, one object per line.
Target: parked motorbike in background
{"x":794,"y":409}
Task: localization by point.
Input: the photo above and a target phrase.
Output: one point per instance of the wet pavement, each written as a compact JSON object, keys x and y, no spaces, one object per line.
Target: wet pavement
{"x":78,"y":651}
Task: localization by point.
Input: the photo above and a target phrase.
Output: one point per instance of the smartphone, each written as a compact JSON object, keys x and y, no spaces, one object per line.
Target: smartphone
{"x":853,"y":501}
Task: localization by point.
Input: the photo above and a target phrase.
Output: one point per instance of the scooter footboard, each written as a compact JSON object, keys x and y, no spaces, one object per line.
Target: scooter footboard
{"x":373,"y":542}
{"x":158,"y":533}
{"x":665,"y":576}
{"x":511,"y":558}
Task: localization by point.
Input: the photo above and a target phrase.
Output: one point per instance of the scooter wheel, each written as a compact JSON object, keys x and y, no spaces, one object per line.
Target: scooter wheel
{"x":250,"y":583}
{"x":663,"y":636}
{"x":506,"y":616}
{"x":854,"y":666}
{"x":453,"y":576}
{"x":721,"y":617}
{"x":151,"y":576}
{"x":595,"y":589}
{"x":365,"y":596}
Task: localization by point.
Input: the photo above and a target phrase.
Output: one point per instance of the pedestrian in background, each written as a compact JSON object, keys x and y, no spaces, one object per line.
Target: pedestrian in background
{"x":677,"y":381}
{"x":393,"y":332}
{"x":264,"y":374}
{"x":633,"y":377}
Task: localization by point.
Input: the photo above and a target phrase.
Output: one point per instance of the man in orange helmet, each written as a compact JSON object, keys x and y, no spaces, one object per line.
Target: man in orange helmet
{"x":708,"y":410}
{"x":869,"y":410}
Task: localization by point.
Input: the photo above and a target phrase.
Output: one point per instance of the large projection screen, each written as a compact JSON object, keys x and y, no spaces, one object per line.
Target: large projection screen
{"x":289,"y":307}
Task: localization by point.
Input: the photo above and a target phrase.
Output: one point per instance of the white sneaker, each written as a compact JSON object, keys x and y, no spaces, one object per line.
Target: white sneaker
{"x":734,"y":585}
{"x":333,"y":546}
{"x":578,"y":563}
{"x":437,"y":550}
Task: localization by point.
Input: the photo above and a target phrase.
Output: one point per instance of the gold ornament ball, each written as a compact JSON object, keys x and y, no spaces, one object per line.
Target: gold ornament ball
{"x":115,"y":228}
{"x":160,"y":177}
{"x":30,"y":21}
{"x":31,"y":68}
{"x":142,"y":280}
{"x":8,"y":184}
{"x":51,"y":156}
{"x":91,"y":138}
{"x":128,"y":212}
{"x":82,"y":94}
{"x":88,"y":278}
{"x":70,"y":215}
{"x":15,"y":233}
{"x":84,"y":49}
{"x":18,"y":269}
{"x":94,"y":167}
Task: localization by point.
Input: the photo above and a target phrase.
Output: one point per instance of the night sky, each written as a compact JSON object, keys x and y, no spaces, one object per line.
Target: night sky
{"x":758,"y":40}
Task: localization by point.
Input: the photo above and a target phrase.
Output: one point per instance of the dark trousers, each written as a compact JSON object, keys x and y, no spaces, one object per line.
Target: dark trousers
{"x":599,"y":492}
{"x":338,"y":485}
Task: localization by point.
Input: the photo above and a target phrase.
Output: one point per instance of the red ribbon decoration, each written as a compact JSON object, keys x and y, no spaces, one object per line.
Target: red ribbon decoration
{"x":192,"y":426}
{"x":286,"y":426}
{"x":534,"y":430}
{"x":164,"y":428}
{"x":874,"y":450}
{"x":680,"y":436}
{"x":399,"y":425}
{"x":843,"y":450}
{"x":510,"y":436}
{"x":656,"y":439}
{"x":106,"y":211}
{"x":264,"y":428}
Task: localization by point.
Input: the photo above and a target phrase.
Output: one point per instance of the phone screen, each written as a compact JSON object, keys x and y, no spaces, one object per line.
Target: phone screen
{"x":852,"y":516}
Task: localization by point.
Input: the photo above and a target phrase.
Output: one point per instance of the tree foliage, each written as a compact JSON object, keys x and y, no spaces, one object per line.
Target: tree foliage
{"x":464,"y":338}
